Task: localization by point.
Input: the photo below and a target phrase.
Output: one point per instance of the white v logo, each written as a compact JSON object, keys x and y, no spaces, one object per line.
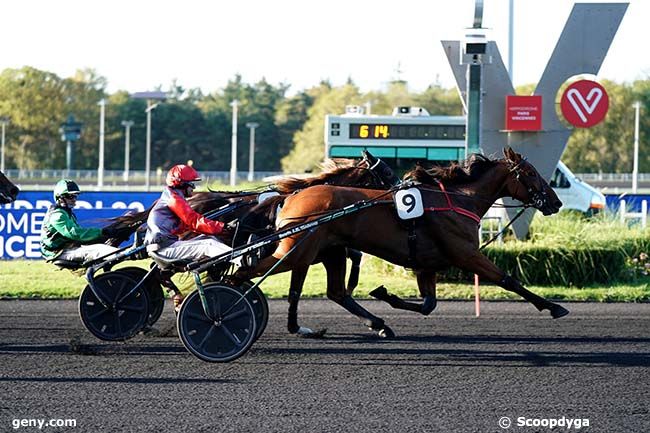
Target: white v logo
{"x":574,"y":96}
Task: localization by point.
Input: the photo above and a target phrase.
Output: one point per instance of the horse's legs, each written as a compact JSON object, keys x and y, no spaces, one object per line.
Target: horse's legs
{"x":335,"y":266}
{"x":353,"y":279}
{"x":245,"y":274}
{"x":484,"y":268}
{"x":427,"y":285}
{"x":295,"y":289}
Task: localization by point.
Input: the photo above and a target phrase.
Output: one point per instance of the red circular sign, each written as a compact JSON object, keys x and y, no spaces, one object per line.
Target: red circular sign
{"x":584,"y":103}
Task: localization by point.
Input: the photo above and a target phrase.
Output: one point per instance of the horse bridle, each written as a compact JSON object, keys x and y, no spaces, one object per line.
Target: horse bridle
{"x":381,"y":172}
{"x":537,"y":196}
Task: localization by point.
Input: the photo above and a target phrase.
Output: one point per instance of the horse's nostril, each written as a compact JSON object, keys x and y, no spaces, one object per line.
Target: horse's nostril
{"x":14,"y":191}
{"x":557,"y":204}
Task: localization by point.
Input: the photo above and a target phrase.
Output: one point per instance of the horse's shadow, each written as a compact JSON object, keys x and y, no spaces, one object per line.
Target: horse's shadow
{"x":406,"y":350}
{"x":513,"y":351}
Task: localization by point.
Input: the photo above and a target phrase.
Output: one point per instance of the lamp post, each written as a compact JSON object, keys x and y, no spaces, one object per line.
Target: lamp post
{"x":127,"y":124}
{"x":251,"y":149}
{"x":233,"y":148}
{"x":100,"y":166}
{"x":150,"y":97}
{"x":70,"y":132}
{"x":3,"y":121}
{"x":635,"y":169}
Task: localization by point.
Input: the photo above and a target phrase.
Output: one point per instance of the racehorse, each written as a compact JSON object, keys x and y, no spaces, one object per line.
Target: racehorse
{"x":369,"y":172}
{"x":446,"y":235}
{"x":8,"y":191}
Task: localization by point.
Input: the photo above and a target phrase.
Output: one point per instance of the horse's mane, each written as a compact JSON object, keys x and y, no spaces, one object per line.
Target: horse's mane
{"x":331,"y":168}
{"x":460,"y":172}
{"x":261,"y":218}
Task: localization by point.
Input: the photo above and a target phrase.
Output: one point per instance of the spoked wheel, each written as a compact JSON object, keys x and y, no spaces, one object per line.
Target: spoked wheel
{"x":125,"y":313}
{"x":258,"y":301}
{"x":154,"y":291}
{"x":227,"y":334}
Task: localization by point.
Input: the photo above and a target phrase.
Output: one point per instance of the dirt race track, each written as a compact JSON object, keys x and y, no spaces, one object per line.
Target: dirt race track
{"x":449,"y":372}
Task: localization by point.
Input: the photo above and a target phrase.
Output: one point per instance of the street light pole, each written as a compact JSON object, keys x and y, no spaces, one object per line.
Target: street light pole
{"x":127,"y":147}
{"x":147,"y":167}
{"x":100,"y":167}
{"x":233,"y":148}
{"x":511,"y":21}
{"x":3,"y":121}
{"x":251,"y":149}
{"x":635,"y":169}
{"x":150,"y":97}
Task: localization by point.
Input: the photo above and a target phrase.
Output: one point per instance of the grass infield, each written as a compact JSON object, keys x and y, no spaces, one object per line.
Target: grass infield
{"x":37,"y":279}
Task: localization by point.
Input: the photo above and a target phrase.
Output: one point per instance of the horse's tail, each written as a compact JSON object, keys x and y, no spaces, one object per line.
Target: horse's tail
{"x":129,"y":220}
{"x":126,"y":225}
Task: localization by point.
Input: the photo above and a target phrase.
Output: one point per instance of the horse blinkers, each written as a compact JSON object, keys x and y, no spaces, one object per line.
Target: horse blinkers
{"x":380,"y":170}
{"x":536,"y":187}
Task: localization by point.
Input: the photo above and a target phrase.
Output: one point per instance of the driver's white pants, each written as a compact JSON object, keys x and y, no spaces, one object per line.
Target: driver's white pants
{"x":85,"y":253}
{"x":194,"y":249}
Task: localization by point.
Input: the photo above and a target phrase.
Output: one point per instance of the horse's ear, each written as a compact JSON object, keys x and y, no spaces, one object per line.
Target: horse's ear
{"x":368,"y":157}
{"x":510,"y":154}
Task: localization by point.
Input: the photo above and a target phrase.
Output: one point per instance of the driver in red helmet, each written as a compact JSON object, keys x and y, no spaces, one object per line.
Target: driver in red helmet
{"x":172,"y":216}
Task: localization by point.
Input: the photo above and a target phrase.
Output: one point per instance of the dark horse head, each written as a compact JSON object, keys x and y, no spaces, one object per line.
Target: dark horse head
{"x":8,"y":191}
{"x":528,"y":186}
{"x":369,"y":172}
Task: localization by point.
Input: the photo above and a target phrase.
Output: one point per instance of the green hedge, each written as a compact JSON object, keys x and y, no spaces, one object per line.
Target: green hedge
{"x":581,"y":266}
{"x":569,"y":251}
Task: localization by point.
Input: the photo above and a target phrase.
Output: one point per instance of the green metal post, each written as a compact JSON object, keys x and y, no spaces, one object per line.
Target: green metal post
{"x":473,"y":109}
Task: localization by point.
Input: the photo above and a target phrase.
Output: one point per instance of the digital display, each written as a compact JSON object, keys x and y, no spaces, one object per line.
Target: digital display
{"x":380,"y":131}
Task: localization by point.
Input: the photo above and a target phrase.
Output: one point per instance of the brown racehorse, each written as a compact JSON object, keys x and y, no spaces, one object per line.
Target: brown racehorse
{"x":8,"y":191}
{"x":446,"y":236}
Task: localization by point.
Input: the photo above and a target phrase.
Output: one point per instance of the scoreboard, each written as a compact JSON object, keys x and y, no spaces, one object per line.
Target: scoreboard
{"x":402,"y":135}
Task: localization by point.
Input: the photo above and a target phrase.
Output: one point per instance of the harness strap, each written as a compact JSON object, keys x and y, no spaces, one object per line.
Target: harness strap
{"x":452,"y":208}
{"x":412,"y":261}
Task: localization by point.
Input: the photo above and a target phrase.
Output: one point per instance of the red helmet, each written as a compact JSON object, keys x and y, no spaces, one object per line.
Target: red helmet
{"x":180,"y":174}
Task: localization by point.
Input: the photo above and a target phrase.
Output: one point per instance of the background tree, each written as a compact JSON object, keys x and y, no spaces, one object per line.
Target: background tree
{"x":191,"y":125}
{"x":309,"y":144}
{"x":34,"y":100}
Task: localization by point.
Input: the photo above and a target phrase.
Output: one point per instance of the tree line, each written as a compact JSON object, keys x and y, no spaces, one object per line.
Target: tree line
{"x":197,"y":126}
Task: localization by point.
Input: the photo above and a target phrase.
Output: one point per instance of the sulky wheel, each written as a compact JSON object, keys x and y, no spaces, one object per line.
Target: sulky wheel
{"x":227,"y":334}
{"x":154,"y":292}
{"x":124,"y":315}
{"x":258,"y":301}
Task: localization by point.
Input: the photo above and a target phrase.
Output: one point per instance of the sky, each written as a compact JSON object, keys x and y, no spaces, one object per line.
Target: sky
{"x":140,"y":44}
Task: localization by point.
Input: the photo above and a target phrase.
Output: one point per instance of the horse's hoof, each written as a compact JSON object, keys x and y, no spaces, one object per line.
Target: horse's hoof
{"x":379,"y":293}
{"x":308,"y":333}
{"x":386,"y":332}
{"x":558,"y":311}
{"x":148,"y":331}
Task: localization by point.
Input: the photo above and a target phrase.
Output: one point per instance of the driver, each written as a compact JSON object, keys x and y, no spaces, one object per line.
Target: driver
{"x":172,"y":217}
{"x":63,"y":238}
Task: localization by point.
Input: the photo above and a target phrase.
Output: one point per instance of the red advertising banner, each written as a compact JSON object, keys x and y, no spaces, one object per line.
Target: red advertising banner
{"x":523,"y":113}
{"x":584,"y":103}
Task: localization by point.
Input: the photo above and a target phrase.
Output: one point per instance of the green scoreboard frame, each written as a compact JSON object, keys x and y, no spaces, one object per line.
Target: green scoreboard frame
{"x":432,"y":138}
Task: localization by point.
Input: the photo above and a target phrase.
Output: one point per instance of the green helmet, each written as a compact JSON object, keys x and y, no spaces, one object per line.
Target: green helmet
{"x":65,"y":186}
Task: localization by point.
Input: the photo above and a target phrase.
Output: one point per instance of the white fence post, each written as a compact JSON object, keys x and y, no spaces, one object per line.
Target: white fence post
{"x":642,"y":216}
